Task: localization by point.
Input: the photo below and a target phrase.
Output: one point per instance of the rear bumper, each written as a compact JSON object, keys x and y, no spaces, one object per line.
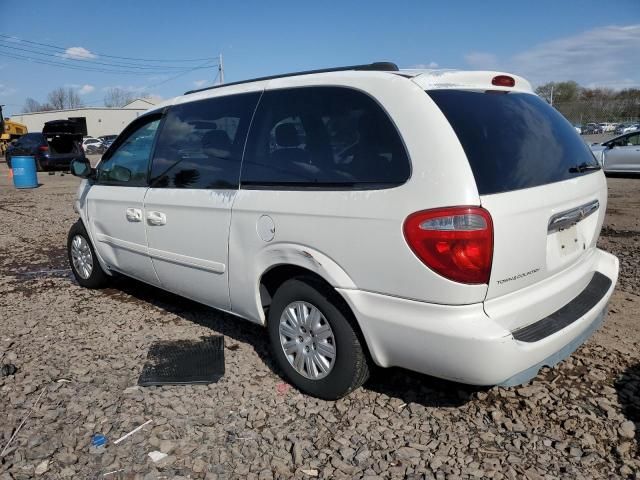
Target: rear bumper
{"x":464,"y":344}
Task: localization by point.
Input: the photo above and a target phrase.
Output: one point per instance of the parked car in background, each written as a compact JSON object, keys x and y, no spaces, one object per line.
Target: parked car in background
{"x":53,"y":149}
{"x":107,"y":140}
{"x":626,"y":127}
{"x":591,"y":129}
{"x":620,"y":154}
{"x":578,"y":129}
{"x":261,"y":210}
{"x":607,"y":127}
{"x":92,"y":145}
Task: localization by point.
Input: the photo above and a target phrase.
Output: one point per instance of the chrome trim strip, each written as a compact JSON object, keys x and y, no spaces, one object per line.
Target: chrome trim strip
{"x":568,"y":218}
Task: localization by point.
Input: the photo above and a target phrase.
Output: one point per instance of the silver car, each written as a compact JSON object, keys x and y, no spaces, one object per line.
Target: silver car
{"x":620,"y":154}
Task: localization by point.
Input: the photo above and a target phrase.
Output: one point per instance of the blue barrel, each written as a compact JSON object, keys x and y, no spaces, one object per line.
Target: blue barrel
{"x":24,"y":172}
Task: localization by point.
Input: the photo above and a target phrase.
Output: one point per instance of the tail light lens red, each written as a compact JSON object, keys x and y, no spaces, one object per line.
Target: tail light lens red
{"x":43,"y":148}
{"x":456,"y":242}
{"x":503,"y":81}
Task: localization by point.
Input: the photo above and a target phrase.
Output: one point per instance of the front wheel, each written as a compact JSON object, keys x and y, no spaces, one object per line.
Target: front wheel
{"x":315,"y":340}
{"x":82,"y":259}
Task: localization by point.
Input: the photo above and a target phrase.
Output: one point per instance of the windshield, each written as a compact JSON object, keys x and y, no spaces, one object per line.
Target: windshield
{"x":513,"y":140}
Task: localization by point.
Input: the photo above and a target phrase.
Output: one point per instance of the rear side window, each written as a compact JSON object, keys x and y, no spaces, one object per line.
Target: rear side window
{"x":32,"y":140}
{"x":513,"y":140}
{"x":200,"y":145}
{"x":323,"y":137}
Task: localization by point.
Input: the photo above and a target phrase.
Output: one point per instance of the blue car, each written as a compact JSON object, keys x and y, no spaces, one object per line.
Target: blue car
{"x":53,"y":149}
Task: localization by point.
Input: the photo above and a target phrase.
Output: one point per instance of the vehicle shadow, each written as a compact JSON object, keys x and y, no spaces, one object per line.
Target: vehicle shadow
{"x":410,"y":387}
{"x":628,"y":390}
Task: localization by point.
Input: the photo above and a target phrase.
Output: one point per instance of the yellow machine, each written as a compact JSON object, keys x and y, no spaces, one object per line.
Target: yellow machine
{"x":9,"y":130}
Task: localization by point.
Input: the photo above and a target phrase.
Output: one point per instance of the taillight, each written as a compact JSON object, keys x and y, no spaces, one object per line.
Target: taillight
{"x":456,"y":242}
{"x":503,"y":81}
{"x":43,"y":148}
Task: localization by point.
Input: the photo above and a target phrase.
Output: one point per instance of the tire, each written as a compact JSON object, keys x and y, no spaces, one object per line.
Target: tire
{"x":93,"y":277}
{"x":349,"y":368}
{"x":39,"y":166}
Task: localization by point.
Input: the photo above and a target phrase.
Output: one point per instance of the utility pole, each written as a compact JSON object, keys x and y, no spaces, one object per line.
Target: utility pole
{"x":220,"y":69}
{"x":551,"y":91}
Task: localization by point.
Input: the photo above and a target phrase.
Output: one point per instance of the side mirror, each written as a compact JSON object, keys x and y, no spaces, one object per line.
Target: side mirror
{"x":80,"y":167}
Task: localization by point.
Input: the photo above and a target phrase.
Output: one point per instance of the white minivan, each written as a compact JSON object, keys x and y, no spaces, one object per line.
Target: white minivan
{"x":441,"y":221}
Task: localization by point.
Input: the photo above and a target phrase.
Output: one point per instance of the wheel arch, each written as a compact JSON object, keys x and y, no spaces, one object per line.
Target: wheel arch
{"x":82,"y":220}
{"x":276,"y":263}
{"x":276,"y":275}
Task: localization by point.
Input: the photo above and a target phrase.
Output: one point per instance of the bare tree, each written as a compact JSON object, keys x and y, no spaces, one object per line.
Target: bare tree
{"x":118,"y":97}
{"x":31,"y":105}
{"x":57,"y":98}
{"x":62,"y":98}
{"x":73,"y":99}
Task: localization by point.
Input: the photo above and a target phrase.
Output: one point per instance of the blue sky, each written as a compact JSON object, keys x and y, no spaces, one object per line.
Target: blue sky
{"x":593,"y":42}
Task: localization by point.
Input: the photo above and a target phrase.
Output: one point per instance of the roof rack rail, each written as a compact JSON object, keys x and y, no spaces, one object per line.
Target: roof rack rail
{"x":375,"y":66}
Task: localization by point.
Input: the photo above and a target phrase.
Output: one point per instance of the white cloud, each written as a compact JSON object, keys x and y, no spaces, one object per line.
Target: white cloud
{"x":200,"y":83}
{"x":127,"y":88}
{"x":6,"y":91}
{"x":482,"y":60}
{"x":84,"y":89}
{"x":603,"y":57}
{"x":77,"y":53}
{"x":421,"y":66}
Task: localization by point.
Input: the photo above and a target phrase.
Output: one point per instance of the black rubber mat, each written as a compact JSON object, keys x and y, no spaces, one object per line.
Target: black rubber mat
{"x":177,"y":362}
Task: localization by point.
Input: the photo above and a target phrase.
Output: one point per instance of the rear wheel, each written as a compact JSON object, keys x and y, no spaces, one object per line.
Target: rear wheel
{"x":82,"y":259}
{"x":315,"y":340}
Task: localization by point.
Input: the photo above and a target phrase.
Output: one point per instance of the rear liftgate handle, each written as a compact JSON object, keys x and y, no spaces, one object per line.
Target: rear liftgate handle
{"x":156,"y":218}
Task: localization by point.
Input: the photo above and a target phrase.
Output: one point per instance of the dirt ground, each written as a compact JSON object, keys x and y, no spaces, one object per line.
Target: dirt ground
{"x":79,"y":353}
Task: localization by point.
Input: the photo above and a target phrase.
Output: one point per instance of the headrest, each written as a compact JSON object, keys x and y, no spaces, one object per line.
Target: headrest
{"x":287,"y":135}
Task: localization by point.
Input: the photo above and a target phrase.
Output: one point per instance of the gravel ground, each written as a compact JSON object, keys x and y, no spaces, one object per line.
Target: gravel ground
{"x":78,"y":354}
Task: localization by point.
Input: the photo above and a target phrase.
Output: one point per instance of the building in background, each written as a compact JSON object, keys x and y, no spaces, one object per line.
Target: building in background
{"x":100,"y":120}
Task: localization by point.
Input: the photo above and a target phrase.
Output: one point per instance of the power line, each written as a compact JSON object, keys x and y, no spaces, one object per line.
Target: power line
{"x":3,"y":44}
{"x":88,"y":68}
{"x":57,"y":47}
{"x":178,"y":75}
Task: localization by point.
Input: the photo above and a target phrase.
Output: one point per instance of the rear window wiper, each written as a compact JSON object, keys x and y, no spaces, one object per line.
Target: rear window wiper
{"x":584,"y":167}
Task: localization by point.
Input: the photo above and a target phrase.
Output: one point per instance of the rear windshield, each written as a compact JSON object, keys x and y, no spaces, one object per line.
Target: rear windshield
{"x":513,"y":140}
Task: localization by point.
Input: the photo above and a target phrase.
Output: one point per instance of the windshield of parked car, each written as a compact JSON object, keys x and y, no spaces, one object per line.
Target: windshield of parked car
{"x":513,"y":140}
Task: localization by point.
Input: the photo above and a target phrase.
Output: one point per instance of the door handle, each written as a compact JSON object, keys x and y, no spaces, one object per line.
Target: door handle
{"x":134,"y":214}
{"x":156,"y":218}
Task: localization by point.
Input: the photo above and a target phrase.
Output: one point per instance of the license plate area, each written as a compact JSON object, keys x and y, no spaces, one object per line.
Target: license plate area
{"x":567,"y":245}
{"x":569,"y":234}
{"x":569,"y":241}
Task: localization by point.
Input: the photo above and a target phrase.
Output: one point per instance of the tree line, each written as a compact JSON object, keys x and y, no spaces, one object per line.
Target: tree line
{"x":581,"y":105}
{"x":63,"y":98}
